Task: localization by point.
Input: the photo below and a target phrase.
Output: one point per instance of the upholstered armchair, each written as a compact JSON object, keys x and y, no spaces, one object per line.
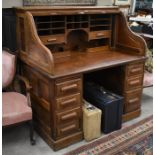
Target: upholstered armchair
{"x":16,"y":107}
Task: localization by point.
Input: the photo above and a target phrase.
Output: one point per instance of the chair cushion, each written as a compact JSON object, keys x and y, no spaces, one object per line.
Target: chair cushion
{"x":148,"y":79}
{"x":8,"y":68}
{"x":15,"y":108}
{"x":149,"y":61}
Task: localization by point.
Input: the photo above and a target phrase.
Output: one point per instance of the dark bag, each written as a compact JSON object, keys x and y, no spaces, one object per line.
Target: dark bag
{"x":110,"y":104}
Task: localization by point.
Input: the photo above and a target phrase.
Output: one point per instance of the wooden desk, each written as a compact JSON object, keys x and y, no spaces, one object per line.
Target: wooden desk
{"x":62,"y":47}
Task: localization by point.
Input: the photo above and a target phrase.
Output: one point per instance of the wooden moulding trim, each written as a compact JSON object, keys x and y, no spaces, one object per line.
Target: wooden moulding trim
{"x":56,"y":12}
{"x":41,"y":125}
{"x":43,"y":8}
{"x":64,"y":10}
{"x":42,"y":102}
{"x":131,"y":115}
{"x":141,"y":47}
{"x":44,"y":60}
{"x":68,"y":140}
{"x":124,"y":6}
{"x":59,"y":144}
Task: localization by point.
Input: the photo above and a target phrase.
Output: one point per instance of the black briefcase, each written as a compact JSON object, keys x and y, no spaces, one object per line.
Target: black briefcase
{"x":110,"y":104}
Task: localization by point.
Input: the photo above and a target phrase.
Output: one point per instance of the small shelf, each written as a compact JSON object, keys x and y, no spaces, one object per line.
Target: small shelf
{"x":99,"y":25}
{"x":77,"y":22}
{"x":56,"y":24}
{"x":44,"y":29}
{"x":99,"y":22}
{"x":50,"y":25}
{"x":101,"y":19}
{"x":77,"y":18}
{"x":100,"y":16}
{"x":51,"y":32}
{"x":99,"y":28}
{"x":77,"y":25}
{"x":77,"y":29}
{"x":49,"y":22}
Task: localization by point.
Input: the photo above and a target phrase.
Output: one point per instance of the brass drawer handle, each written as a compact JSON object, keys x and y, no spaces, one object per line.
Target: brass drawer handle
{"x":52,"y":40}
{"x":71,"y":127}
{"x":69,"y":116}
{"x":99,"y":35}
{"x":82,"y":12}
{"x":53,"y":13}
{"x":133,"y":100}
{"x":136,"y":70}
{"x":73,"y":86}
{"x":68,"y":101}
{"x":134,"y":82}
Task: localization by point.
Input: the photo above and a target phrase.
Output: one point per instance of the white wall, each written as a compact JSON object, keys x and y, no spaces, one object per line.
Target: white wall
{"x":104,"y":2}
{"x":11,"y":3}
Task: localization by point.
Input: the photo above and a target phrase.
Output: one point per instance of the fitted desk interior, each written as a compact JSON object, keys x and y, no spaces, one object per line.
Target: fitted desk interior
{"x":60,"y":48}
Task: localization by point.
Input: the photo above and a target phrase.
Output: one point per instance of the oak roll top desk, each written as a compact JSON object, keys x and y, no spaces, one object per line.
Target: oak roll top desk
{"x":60,"y":48}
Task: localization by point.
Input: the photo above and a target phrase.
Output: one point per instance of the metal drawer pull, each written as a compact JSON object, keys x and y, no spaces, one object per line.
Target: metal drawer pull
{"x":135,"y":70}
{"x":71,"y":127}
{"x":68,"y":116}
{"x":134,"y":82}
{"x":133,"y":100}
{"x":51,"y":40}
{"x":73,"y":86}
{"x":68,"y":101}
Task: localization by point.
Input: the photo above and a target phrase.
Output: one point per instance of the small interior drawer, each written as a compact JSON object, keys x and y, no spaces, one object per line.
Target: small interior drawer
{"x":68,"y":102}
{"x":52,"y":39}
{"x":68,"y":87}
{"x":100,"y":34}
{"x":69,"y":116}
{"x":68,"y":129}
{"x":135,"y":82}
{"x":133,"y":100}
{"x":135,"y":69}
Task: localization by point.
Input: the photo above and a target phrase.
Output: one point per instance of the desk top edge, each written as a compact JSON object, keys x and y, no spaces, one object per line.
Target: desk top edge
{"x":88,"y":68}
{"x":40,"y":8}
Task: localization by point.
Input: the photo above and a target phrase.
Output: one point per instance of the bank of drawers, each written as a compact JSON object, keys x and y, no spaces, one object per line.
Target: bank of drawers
{"x":133,"y":86}
{"x":68,"y":106}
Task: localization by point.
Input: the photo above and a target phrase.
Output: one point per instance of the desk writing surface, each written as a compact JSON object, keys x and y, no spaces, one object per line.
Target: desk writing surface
{"x":84,"y":62}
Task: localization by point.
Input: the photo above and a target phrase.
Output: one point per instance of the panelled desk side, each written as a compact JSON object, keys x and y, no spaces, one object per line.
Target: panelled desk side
{"x":110,"y":54}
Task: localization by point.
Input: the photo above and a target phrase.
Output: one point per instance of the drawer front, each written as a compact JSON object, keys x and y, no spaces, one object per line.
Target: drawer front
{"x":135,"y":69}
{"x":68,"y":87}
{"x":133,"y":100}
{"x":68,"y":129}
{"x":69,"y":116}
{"x":68,"y":102}
{"x":52,"y":39}
{"x":133,"y":83}
{"x":100,"y":34}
